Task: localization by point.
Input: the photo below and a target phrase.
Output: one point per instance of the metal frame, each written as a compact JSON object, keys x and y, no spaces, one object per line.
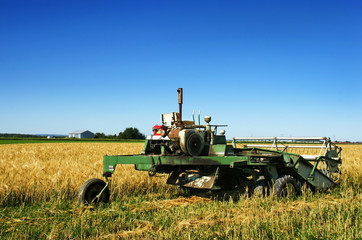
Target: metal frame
{"x":331,"y":163}
{"x":279,"y":142}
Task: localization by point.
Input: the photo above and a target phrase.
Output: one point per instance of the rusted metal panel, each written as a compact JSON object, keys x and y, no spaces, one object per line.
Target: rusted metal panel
{"x":193,"y":179}
{"x":174,"y":133}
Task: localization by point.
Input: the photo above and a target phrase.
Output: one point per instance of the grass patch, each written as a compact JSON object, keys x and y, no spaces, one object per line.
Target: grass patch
{"x":175,"y":216}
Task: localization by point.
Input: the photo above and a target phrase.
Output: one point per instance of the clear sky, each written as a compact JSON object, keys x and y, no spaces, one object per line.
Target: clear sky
{"x":265,"y":68}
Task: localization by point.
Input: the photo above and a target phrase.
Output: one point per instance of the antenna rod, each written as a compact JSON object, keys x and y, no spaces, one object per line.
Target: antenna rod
{"x":180,"y":101}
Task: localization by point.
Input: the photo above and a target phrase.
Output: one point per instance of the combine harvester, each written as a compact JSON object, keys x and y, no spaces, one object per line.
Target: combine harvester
{"x":196,"y":157}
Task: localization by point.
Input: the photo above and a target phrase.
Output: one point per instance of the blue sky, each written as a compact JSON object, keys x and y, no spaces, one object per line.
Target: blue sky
{"x":265,"y":68}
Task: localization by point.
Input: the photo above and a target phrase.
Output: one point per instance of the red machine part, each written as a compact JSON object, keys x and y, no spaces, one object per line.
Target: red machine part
{"x":158,"y":129}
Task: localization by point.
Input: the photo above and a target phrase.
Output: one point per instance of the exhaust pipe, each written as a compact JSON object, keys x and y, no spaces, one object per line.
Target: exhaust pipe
{"x":180,"y":101}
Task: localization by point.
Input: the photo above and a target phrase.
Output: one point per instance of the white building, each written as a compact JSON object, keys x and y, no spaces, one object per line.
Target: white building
{"x":82,"y":134}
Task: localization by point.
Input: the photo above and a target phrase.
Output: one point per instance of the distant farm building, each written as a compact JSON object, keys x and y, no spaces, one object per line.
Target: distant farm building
{"x":81,"y":134}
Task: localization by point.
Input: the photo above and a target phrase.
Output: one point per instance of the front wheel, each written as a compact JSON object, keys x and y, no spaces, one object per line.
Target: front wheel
{"x":90,"y":190}
{"x":286,"y":186}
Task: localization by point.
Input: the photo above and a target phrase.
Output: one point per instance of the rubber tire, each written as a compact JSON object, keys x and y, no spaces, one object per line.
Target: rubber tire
{"x":90,"y":189}
{"x":261,"y":188}
{"x":281,"y":184}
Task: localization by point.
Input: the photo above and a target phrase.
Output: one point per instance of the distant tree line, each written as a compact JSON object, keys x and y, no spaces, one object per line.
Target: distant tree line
{"x":17,"y":135}
{"x":128,"y":133}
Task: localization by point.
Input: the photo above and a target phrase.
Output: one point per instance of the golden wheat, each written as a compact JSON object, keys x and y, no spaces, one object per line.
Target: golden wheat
{"x":42,"y":171}
{"x":47,"y":171}
{"x":52,"y":172}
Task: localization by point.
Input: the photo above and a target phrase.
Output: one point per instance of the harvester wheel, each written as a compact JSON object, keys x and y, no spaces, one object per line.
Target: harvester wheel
{"x":261,"y":188}
{"x":90,"y":190}
{"x":286,"y":186}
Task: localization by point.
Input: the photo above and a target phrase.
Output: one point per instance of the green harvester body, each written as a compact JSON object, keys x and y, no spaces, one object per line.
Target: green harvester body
{"x":225,"y":166}
{"x":196,"y":157}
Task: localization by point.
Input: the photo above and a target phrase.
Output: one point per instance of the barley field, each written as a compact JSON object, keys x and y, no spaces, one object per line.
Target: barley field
{"x":39,"y":184}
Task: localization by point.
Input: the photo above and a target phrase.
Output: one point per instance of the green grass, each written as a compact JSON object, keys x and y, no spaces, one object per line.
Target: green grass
{"x":167,"y":213}
{"x":63,"y":140}
{"x":150,"y":219}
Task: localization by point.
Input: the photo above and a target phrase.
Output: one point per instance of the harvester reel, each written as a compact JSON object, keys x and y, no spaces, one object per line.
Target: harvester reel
{"x":194,"y":144}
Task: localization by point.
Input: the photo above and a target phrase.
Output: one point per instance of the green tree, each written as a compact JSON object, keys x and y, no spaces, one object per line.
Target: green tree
{"x":100,"y":135}
{"x":131,"y":133}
